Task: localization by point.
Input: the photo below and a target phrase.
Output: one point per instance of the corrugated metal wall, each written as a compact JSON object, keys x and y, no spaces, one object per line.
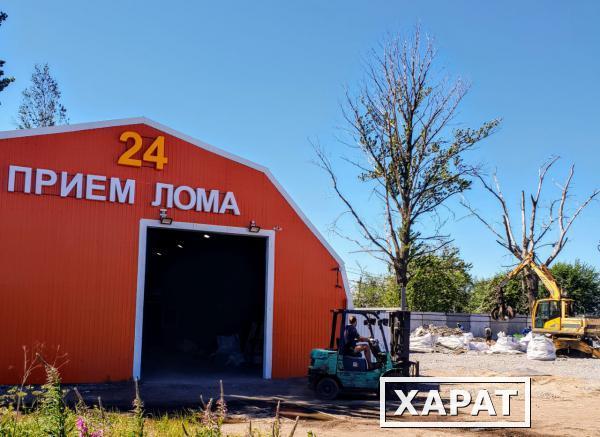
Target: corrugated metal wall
{"x":68,"y":267}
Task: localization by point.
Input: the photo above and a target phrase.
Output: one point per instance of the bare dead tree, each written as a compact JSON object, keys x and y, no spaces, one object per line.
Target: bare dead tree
{"x":535,"y":233}
{"x":408,"y":153}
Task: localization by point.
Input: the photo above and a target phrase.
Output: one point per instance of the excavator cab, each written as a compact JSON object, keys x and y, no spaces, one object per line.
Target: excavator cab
{"x":547,"y":314}
{"x":555,"y":315}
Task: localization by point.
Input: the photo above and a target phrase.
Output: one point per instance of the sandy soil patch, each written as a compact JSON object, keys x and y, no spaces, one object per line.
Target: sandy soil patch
{"x":565,"y":398}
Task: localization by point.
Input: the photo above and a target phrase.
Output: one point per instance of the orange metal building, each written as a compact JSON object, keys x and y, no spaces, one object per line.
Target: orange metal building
{"x":77,"y":204}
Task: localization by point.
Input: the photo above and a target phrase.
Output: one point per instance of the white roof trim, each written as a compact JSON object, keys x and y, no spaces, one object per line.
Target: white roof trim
{"x":19,"y":133}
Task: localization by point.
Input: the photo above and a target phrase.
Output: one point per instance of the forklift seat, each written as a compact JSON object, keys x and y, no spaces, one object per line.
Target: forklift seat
{"x":355,"y":363}
{"x":350,"y":353}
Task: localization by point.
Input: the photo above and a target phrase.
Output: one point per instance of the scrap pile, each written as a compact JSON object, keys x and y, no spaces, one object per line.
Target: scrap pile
{"x":453,"y":340}
{"x":440,"y":331}
{"x":439,"y":339}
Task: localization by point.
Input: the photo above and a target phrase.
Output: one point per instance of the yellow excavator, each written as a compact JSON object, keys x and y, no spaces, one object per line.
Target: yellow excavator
{"x":554,"y":315}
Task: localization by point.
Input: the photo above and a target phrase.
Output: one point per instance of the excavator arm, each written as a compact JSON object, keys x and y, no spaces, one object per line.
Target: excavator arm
{"x":502,"y":311}
{"x":547,"y":279}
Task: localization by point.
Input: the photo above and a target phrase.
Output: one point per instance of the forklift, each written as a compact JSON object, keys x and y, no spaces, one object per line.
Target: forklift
{"x":336,"y":369}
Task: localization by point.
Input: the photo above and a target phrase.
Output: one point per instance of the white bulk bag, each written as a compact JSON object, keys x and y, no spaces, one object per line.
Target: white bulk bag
{"x":524,"y":341}
{"x":505,"y":345}
{"x":479,"y":346}
{"x":453,"y":342}
{"x":422,"y":343}
{"x":467,"y":337}
{"x":541,"y":348}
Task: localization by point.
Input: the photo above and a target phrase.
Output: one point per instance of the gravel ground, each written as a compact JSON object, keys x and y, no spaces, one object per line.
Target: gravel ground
{"x":473,"y":363}
{"x":564,"y":398}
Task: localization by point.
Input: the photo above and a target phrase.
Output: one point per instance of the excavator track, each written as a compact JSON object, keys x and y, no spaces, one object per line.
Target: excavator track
{"x":566,"y":344}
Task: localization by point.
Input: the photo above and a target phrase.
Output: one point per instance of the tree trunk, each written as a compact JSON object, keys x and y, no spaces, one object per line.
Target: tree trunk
{"x":403,"y":304}
{"x":401,"y":280}
{"x":401,"y":264}
{"x":530,"y":283}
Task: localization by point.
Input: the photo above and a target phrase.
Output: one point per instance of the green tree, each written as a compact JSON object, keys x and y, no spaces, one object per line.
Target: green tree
{"x":41,"y":104}
{"x":409,"y":154}
{"x":375,"y":291}
{"x":578,"y":281}
{"x":4,"y":81}
{"x":438,"y":282}
{"x":483,"y":295}
{"x":581,"y":282}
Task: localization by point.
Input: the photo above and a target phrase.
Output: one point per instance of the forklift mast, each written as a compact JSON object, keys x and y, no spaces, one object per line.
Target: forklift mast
{"x":399,"y":323}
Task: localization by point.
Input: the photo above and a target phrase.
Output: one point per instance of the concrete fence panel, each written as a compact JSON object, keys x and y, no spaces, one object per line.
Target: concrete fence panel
{"x":474,"y":323}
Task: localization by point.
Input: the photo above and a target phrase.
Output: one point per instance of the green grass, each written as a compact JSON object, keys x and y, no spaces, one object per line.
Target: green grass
{"x":120,"y":424}
{"x":27,"y":411}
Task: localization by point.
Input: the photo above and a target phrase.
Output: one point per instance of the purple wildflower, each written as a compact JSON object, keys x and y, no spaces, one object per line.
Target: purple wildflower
{"x":82,"y":427}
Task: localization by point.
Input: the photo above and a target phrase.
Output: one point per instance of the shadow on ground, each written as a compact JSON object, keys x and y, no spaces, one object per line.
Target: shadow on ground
{"x":250,"y":396}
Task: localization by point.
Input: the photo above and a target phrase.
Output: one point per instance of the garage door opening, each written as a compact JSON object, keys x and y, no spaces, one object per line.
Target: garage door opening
{"x":204,"y":304}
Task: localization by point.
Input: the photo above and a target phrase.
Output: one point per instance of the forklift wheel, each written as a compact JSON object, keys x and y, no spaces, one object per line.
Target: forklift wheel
{"x":327,"y":388}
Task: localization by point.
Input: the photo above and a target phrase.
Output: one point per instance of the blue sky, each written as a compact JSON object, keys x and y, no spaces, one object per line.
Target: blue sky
{"x":260,"y":79}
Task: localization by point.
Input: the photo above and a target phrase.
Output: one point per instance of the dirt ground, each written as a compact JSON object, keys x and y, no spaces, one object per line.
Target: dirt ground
{"x":565,"y":398}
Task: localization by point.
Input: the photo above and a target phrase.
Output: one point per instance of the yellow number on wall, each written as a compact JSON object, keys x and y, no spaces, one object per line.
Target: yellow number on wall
{"x":155,"y":153}
{"x":126,"y":157}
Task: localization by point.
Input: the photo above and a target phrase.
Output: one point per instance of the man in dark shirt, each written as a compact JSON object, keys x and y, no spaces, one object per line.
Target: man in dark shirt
{"x":351,"y":339}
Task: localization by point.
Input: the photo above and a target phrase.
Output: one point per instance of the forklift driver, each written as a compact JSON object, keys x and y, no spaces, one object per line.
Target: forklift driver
{"x":351,"y":340}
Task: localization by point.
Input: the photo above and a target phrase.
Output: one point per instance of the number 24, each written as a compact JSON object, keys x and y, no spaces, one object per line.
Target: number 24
{"x":155,"y":153}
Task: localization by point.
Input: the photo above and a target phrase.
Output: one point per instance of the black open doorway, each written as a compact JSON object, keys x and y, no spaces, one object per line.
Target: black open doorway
{"x":204,"y":304}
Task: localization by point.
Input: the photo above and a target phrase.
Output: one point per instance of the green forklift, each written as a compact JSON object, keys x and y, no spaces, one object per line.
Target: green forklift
{"x":337,"y":369}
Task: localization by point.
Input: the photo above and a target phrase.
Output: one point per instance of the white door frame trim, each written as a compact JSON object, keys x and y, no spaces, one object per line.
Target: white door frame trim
{"x":141,"y":278}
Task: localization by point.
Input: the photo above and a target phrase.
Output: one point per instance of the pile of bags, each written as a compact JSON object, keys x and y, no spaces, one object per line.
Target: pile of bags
{"x":422,"y":340}
{"x":425,"y":339}
{"x":432,"y":339}
{"x":479,"y":346}
{"x":422,"y":343}
{"x":524,"y":341}
{"x":456,"y":342}
{"x":538,"y":347}
{"x":505,"y":345}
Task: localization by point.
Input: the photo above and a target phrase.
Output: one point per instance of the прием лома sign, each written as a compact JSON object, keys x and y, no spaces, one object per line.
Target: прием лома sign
{"x":103,"y":188}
